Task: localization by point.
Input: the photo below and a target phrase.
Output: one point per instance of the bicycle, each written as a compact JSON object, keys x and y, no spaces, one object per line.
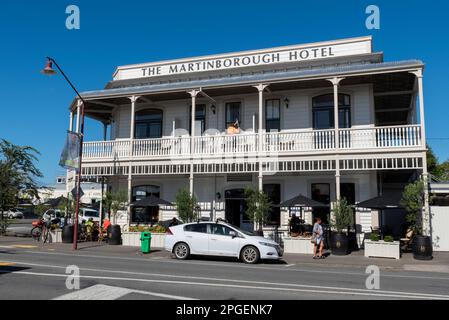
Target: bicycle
{"x":41,"y":231}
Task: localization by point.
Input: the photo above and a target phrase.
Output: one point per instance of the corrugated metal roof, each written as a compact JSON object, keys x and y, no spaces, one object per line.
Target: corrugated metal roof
{"x":254,"y":78}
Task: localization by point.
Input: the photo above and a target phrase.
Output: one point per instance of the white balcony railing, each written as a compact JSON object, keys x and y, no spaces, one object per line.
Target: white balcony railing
{"x":291,"y":141}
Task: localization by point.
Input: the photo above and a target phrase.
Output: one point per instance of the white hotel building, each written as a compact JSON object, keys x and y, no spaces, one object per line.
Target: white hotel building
{"x":323,"y":120}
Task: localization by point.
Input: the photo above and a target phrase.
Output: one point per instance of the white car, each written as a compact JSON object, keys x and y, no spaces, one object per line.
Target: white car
{"x":86,"y":214}
{"x":219,"y":239}
{"x":13,"y":214}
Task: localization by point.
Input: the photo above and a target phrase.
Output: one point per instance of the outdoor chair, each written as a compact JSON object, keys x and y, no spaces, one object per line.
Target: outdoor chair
{"x":407,"y":241}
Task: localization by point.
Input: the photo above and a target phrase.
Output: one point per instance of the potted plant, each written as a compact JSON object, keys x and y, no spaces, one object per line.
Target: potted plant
{"x":341,"y":221}
{"x":413,"y":201}
{"x":186,"y":205}
{"x":258,"y":208}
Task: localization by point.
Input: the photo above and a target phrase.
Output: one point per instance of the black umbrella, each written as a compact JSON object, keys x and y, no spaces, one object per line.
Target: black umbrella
{"x":54,"y":203}
{"x":151,"y":201}
{"x":301,"y":202}
{"x":381,"y":203}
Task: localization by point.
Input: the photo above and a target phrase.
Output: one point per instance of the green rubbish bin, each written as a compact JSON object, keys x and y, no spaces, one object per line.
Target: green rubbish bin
{"x":145,"y":242}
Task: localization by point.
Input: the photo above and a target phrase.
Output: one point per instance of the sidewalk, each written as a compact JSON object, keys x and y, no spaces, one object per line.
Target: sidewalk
{"x":439,"y":264}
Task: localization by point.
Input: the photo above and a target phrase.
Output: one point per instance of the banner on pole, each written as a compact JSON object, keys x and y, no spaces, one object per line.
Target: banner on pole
{"x":71,"y":152}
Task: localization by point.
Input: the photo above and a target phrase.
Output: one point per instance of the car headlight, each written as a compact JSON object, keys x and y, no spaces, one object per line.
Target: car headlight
{"x":268,"y":244}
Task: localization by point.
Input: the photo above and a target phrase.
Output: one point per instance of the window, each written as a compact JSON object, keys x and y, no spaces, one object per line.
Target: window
{"x":321,"y":192}
{"x":200,"y":119}
{"x":273,"y":191}
{"x":142,"y":192}
{"x":273,"y":115}
{"x":221,"y":230}
{"x":323,"y":111}
{"x":147,"y":215}
{"x":199,"y":228}
{"x":233,"y":113}
{"x":149,"y":124}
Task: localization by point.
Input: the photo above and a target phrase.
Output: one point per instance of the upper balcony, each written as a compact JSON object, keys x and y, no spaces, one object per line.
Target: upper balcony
{"x":295,"y":143}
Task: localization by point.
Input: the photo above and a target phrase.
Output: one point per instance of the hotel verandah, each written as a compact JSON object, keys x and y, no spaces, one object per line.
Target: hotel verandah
{"x":293,"y":140}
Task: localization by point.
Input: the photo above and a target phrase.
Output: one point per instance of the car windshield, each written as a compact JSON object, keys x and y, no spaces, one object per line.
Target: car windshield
{"x":93,"y":214}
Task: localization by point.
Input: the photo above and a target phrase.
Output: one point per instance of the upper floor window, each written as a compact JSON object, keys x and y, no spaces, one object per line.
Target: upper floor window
{"x":200,"y":119}
{"x":233,"y":113}
{"x":149,"y":124}
{"x":323,"y":111}
{"x":273,"y":115}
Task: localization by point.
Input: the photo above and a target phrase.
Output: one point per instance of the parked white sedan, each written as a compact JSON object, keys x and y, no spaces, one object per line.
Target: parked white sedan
{"x":13,"y":214}
{"x":219,"y":239}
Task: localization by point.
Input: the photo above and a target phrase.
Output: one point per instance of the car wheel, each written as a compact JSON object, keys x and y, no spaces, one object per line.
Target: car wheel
{"x":181,"y":251}
{"x":250,"y":255}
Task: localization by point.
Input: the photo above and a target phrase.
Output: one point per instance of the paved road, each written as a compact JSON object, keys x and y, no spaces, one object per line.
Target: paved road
{"x":35,"y":273}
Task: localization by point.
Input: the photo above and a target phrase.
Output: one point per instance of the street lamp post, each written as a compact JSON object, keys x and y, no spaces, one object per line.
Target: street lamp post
{"x":48,"y":70}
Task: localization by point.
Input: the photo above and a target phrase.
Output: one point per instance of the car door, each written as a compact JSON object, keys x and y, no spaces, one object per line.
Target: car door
{"x":197,"y":237}
{"x":221,"y":243}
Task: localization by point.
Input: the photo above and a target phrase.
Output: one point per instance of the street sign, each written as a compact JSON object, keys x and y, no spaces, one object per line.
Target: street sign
{"x":74,"y":193}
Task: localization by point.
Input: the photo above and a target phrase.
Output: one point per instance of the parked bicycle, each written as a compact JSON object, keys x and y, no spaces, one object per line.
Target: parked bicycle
{"x":41,"y":231}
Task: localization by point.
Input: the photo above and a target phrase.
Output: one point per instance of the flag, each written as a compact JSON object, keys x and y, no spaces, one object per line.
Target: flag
{"x":70,"y":154}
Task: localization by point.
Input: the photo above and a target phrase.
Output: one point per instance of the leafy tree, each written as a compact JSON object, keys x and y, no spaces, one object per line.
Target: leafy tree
{"x":413,"y":201}
{"x":115,"y":201}
{"x":185,"y":205}
{"x":343,"y":217}
{"x":258,"y":207}
{"x":18,"y":174}
{"x":432,"y":161}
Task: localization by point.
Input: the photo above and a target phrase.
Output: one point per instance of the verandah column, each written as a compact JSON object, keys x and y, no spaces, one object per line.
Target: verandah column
{"x":426,"y":211}
{"x":335,"y":82}
{"x":261,"y":87}
{"x":193,"y":94}
{"x":131,"y":145}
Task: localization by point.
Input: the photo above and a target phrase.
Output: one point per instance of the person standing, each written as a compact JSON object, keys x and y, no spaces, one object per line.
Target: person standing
{"x":318,"y":235}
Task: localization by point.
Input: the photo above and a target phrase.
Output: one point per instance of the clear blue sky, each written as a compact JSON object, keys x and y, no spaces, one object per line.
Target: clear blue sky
{"x":34,"y":108}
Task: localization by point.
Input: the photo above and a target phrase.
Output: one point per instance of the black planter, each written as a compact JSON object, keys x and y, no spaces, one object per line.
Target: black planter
{"x":115,"y":236}
{"x":67,"y":234}
{"x":422,"y":248}
{"x":339,"y":244}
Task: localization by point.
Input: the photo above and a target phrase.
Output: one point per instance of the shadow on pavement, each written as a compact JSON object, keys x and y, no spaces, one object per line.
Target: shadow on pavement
{"x":228,"y":259}
{"x":11,"y":269}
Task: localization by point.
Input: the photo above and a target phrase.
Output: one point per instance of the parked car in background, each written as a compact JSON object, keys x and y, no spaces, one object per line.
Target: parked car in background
{"x":86,"y":214}
{"x":220,"y":239}
{"x":13,"y":214}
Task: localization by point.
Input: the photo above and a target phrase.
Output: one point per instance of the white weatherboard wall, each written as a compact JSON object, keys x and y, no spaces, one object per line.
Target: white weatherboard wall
{"x":440,"y":223}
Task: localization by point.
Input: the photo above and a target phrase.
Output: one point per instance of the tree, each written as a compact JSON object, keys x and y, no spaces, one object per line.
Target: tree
{"x":413,"y":201}
{"x":115,"y":201}
{"x":343,"y":217}
{"x":258,"y":207}
{"x":18,"y":174}
{"x":186,"y":205}
{"x":432,"y":161}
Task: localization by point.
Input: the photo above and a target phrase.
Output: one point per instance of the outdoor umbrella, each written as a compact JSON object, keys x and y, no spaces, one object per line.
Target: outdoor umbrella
{"x":381,"y":203}
{"x":55,"y":203}
{"x":151,"y":201}
{"x":301,"y":202}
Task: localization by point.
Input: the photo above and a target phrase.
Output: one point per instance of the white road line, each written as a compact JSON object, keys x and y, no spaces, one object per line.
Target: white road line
{"x":187,"y":283}
{"x":273,"y":284}
{"x":231,"y":265}
{"x":104,"y":292}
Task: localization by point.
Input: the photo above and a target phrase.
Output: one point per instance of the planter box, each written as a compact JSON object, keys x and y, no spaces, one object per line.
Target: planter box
{"x":55,"y":236}
{"x":298,"y":245}
{"x":132,"y":239}
{"x":382,"y":249}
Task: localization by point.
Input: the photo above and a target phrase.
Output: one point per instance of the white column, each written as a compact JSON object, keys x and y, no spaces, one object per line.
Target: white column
{"x":261,"y":87}
{"x":78,"y":116}
{"x":131,"y":144}
{"x":193,"y":94}
{"x":71,"y":121}
{"x":335,"y":82}
{"x":426,"y":209}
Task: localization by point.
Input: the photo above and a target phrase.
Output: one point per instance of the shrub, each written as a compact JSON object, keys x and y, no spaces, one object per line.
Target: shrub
{"x":374,"y":237}
{"x":343,"y":215}
{"x":388,"y":239}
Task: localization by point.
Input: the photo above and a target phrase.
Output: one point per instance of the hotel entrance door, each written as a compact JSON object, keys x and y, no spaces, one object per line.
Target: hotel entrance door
{"x":236,"y":209}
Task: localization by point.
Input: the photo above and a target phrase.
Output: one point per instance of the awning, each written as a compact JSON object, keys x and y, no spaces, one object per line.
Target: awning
{"x":301,"y":202}
{"x":151,"y":201}
{"x":383,"y":202}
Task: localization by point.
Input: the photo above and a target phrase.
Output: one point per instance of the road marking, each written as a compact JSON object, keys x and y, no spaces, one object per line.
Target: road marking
{"x":104,"y":292}
{"x":20,"y":246}
{"x":352,"y":292}
{"x":233,"y":265}
{"x":274,"y":285}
